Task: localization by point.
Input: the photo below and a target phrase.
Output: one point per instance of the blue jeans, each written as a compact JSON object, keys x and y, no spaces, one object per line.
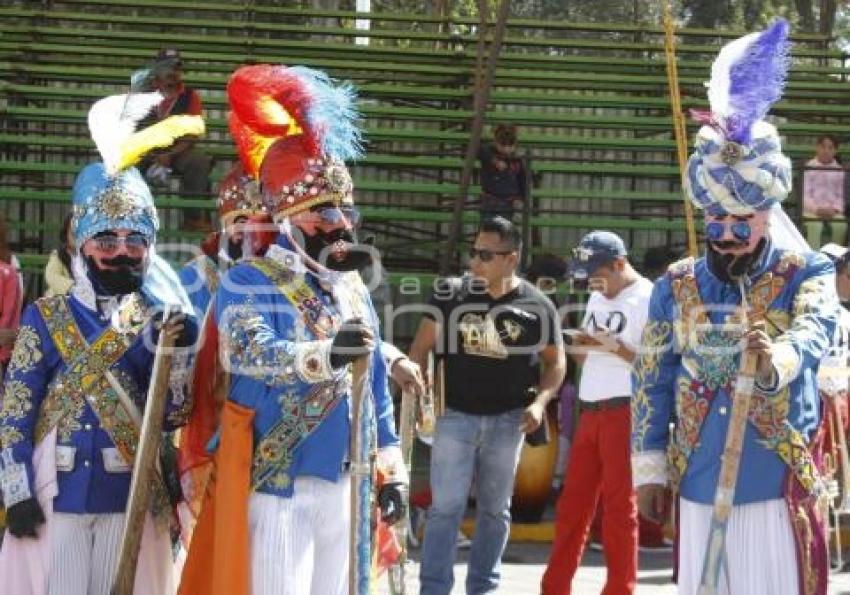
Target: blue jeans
{"x":488,"y":447}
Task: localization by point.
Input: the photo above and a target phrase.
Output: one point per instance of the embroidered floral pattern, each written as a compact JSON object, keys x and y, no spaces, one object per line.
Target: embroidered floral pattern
{"x":316,"y":314}
{"x":273,"y":454}
{"x":62,"y":409}
{"x":17,"y":400}
{"x":813,"y":296}
{"x":114,"y":418}
{"x":252,"y":350}
{"x":769,"y":415}
{"x":27,"y":352}
{"x":715,"y":357}
{"x":280,"y":481}
{"x":9,"y":436}
{"x":712,"y":362}
{"x":693,"y":400}
{"x":657,"y":336}
{"x":84,"y":380}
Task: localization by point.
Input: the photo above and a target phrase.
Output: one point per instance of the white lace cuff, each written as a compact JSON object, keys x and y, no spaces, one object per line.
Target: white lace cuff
{"x":391,"y":355}
{"x":649,"y":467}
{"x":786,"y":366}
{"x":178,"y":380}
{"x":13,"y":480}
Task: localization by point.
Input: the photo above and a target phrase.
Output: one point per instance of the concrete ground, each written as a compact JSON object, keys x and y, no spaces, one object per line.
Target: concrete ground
{"x":523,"y":565}
{"x":524,"y":562}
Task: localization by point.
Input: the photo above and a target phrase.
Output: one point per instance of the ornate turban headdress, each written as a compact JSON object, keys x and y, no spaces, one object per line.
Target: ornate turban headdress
{"x":737,"y":165}
{"x":294,"y":128}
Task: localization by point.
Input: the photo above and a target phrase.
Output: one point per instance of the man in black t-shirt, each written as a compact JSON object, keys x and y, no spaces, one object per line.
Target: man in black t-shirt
{"x":499,"y":337}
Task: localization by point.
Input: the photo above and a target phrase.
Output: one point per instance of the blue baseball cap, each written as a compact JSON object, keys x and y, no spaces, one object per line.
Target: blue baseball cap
{"x":594,"y":250}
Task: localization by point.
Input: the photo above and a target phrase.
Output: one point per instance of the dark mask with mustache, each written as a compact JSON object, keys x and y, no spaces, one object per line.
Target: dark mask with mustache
{"x":124,"y":276}
{"x":321,"y":247}
{"x":730,"y":267}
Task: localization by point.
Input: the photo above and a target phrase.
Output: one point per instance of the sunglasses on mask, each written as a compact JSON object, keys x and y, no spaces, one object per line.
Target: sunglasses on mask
{"x":335,"y":215}
{"x":741,"y":230}
{"x":485,"y":255}
{"x":134,"y":242}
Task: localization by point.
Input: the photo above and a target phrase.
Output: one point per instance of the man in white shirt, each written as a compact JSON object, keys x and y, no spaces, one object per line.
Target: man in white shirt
{"x":600,"y":455}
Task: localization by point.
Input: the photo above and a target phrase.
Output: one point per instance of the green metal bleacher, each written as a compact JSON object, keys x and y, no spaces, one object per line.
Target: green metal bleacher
{"x":591,"y":101}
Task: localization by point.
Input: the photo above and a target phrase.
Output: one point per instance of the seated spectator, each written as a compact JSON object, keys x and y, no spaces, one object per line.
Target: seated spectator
{"x":503,"y":174}
{"x":57,"y":273}
{"x":182,"y":157}
{"x":823,"y":195}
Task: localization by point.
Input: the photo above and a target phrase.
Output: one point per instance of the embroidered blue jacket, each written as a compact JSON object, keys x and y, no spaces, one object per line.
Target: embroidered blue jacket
{"x":278,"y":364}
{"x":688,"y":365}
{"x":92,"y":475}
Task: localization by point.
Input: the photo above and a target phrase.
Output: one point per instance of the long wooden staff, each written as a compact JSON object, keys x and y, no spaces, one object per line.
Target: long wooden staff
{"x":440,"y":387}
{"x":362,"y":466}
{"x":144,"y":465}
{"x":679,"y":129}
{"x":406,"y":427}
{"x":725,"y":495}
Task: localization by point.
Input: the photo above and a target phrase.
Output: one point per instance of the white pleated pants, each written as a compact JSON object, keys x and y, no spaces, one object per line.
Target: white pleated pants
{"x":84,"y":551}
{"x":299,"y":545}
{"x":760,"y":556}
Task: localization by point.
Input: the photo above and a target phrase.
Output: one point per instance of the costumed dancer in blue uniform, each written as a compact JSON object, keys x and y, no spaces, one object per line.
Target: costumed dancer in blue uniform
{"x":289,"y":324}
{"x":238,"y":198}
{"x":775,"y":541}
{"x":77,"y":383}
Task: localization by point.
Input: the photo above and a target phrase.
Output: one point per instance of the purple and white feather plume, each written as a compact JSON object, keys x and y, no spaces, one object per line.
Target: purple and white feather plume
{"x":747,"y":78}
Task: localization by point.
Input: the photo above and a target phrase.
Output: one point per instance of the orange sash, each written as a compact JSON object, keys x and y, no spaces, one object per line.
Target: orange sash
{"x":219,"y":560}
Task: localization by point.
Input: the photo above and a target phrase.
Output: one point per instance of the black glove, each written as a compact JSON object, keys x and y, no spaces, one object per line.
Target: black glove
{"x":353,"y":340}
{"x":24,"y":518}
{"x":391,"y":499}
{"x":188,"y":328}
{"x":170,"y":473}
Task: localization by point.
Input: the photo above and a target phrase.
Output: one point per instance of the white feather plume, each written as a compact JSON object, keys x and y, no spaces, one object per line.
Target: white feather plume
{"x":113,"y":119}
{"x":718,"y":86}
{"x":747,"y":78}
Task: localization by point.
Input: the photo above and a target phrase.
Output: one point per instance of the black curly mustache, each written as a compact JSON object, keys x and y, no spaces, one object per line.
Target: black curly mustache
{"x":727,"y":244}
{"x":122,"y":260}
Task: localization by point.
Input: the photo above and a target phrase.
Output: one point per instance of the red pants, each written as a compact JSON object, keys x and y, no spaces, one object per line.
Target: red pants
{"x":600,"y":464}
{"x":650,"y":534}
